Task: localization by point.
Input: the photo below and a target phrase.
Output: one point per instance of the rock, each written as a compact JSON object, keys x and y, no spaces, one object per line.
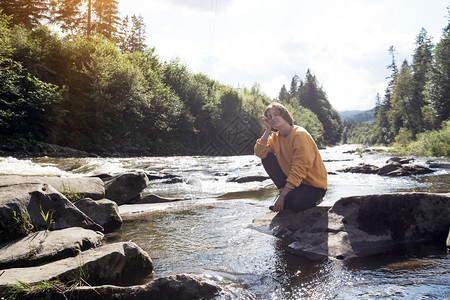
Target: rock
{"x":285,"y":224}
{"x":123,"y":188}
{"x":103,"y":212}
{"x":89,"y":187}
{"x":151,"y":198}
{"x":42,"y":149}
{"x":395,"y":170}
{"x":103,"y":176}
{"x":362,"y":225}
{"x":157,"y":176}
{"x":400,"y":160}
{"x":249,"y":178}
{"x":45,"y":246}
{"x":391,"y":169}
{"x":173,"y":180}
{"x":418,"y":170}
{"x":361,"y":168}
{"x":179,"y":286}
{"x":31,"y":199}
{"x":119,"y":264}
{"x":221,"y":174}
{"x":52,"y":150}
{"x":438,"y":165}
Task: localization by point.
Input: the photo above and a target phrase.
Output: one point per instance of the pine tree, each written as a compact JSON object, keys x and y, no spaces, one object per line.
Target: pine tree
{"x":132,"y":37}
{"x":8,"y":7}
{"x":87,"y":16}
{"x":27,"y":12}
{"x":67,"y":14}
{"x":402,"y":112}
{"x":314,"y":98}
{"x":283,"y":96}
{"x":421,"y":66}
{"x":124,"y":33}
{"x":384,"y":129}
{"x":439,"y":84}
{"x":106,"y":19}
{"x":138,"y":31}
{"x":294,"y":86}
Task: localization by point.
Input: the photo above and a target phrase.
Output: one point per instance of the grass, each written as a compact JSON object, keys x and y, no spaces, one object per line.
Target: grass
{"x":22,"y":223}
{"x":430,"y":143}
{"x":24,"y":290}
{"x":72,"y":195}
{"x":17,"y":225}
{"x":42,"y":290}
{"x":48,"y":217}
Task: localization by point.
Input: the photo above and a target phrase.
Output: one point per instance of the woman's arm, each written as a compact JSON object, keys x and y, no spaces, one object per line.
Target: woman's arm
{"x":263,"y":147}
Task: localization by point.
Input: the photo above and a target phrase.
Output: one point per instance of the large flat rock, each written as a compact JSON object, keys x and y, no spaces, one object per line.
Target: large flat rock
{"x":45,"y":246}
{"x":180,"y":286}
{"x":90,"y":187}
{"x":362,"y":225}
{"x":118,"y":264}
{"x":33,"y":199}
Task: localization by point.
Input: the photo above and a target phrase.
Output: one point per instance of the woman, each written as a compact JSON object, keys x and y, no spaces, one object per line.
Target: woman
{"x":291,"y":159}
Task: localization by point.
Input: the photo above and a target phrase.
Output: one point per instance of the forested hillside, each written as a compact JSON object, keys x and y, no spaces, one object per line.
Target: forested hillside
{"x":93,"y":85}
{"x":76,"y":74}
{"x":414,"y":111}
{"x":357,"y":116}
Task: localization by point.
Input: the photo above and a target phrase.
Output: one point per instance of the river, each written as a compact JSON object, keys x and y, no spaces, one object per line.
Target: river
{"x":209,"y":235}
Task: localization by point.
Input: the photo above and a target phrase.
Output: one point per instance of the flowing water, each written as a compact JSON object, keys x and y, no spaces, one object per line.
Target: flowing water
{"x":209,"y":235}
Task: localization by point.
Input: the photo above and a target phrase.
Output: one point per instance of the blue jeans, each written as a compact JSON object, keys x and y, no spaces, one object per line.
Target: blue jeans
{"x":300,"y":198}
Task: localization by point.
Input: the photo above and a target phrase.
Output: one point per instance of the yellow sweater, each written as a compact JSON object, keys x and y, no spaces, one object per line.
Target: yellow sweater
{"x":298,"y":157}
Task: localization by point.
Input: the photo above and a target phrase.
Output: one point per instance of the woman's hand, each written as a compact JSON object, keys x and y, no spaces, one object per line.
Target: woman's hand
{"x":266,"y":123}
{"x":279,"y":204}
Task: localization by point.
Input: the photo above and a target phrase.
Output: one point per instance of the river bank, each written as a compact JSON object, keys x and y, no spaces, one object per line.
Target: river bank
{"x":200,"y":236}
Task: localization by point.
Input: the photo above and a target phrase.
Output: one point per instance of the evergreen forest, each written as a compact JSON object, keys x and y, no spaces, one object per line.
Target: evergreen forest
{"x":76,"y":74}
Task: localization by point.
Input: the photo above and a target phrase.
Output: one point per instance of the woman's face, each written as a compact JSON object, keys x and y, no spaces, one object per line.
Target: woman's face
{"x":275,"y":118}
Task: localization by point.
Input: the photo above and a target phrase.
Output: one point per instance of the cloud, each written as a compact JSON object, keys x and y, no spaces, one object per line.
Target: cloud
{"x":344,"y":43}
{"x":202,"y":5}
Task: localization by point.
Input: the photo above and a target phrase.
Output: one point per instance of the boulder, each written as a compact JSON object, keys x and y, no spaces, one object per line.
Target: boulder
{"x":439,"y":165}
{"x":152,"y":198}
{"x":103,"y":212}
{"x":118,"y":264}
{"x":180,"y":286}
{"x":417,"y":170}
{"x":249,"y":178}
{"x":45,"y":246}
{"x":41,"y":149}
{"x":362,"y":225}
{"x":160,"y":176}
{"x":123,"y":188}
{"x":40,"y":205}
{"x":391,"y":169}
{"x":361,"y":168}
{"x":395,"y":169}
{"x":89,"y":187}
{"x":400,"y":160}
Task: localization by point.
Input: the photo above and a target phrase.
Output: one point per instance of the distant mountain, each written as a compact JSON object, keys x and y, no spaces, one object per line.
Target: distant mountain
{"x":358,"y":116}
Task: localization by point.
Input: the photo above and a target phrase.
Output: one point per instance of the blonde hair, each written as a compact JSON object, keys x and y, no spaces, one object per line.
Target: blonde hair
{"x":284,"y":113}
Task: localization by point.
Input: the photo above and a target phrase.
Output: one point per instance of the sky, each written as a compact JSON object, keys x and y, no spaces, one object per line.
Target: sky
{"x":344,"y":43}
